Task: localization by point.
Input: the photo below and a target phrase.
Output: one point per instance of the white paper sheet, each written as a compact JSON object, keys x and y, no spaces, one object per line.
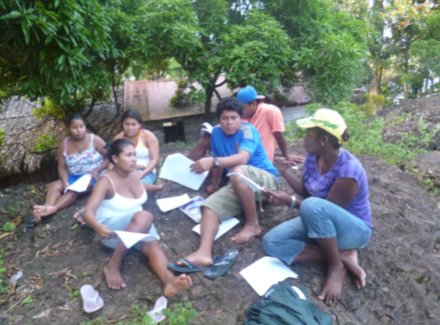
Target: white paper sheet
{"x":250,"y":183}
{"x":273,"y":269}
{"x":80,"y":185}
{"x":224,"y":227}
{"x":176,"y":168}
{"x":193,"y":208}
{"x":130,"y":238}
{"x":170,"y":203}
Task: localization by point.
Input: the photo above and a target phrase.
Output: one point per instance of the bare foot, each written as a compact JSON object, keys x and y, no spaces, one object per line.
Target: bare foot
{"x":331,"y":292}
{"x":350,"y":260}
{"x":40,"y":211}
{"x":177,"y":284}
{"x":198,"y":258}
{"x":78,"y":216}
{"x":114,"y":278}
{"x":246,"y":234}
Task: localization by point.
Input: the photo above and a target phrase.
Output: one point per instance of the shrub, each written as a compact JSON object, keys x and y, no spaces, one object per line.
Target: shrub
{"x":45,"y":142}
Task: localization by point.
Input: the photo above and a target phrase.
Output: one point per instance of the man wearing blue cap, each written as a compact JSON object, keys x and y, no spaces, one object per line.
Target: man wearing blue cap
{"x":268,"y":120}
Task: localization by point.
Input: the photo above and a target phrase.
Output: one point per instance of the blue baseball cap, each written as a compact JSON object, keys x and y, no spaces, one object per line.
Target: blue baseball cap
{"x":247,"y":95}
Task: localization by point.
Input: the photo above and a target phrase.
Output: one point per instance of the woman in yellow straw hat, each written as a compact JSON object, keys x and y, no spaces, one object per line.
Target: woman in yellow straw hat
{"x":334,"y":218}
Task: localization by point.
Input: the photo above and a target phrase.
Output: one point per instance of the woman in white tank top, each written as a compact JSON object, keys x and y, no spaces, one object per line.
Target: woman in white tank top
{"x":116,"y":204}
{"x":145,"y":142}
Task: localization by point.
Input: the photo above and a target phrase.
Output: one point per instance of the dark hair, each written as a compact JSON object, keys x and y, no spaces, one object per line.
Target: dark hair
{"x":72,"y":117}
{"x":131,"y":113}
{"x":229,"y":104}
{"x":333,"y":140}
{"x":116,"y":147}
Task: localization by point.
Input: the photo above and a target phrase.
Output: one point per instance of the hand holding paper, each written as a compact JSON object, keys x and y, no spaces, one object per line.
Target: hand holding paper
{"x":130,"y":238}
{"x":80,"y":185}
{"x":250,"y":183}
{"x":177,"y":168}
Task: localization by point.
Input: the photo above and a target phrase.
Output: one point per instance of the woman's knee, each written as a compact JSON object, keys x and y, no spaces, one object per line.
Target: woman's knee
{"x":55,"y":185}
{"x":269,"y":243}
{"x":310,"y":208}
{"x":142,"y":217}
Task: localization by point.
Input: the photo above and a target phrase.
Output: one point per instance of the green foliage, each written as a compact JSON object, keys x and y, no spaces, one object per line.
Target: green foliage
{"x":9,"y":226}
{"x":26,"y":301}
{"x":257,"y":52}
{"x":2,"y":136}
{"x":3,"y":279}
{"x":366,"y":136}
{"x":53,"y":49}
{"x":329,"y":46}
{"x":73,"y":292}
{"x":180,"y":314}
{"x":373,"y":104}
{"x":45,"y":142}
{"x":49,"y":109}
{"x":187,"y":95}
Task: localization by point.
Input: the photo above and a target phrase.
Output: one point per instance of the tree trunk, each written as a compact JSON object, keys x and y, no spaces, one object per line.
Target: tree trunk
{"x":209,"y":91}
{"x":376,"y":81}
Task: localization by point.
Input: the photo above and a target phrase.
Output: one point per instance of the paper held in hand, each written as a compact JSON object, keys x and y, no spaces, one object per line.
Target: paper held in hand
{"x":176,"y":168}
{"x":250,"y":183}
{"x":130,"y":238}
{"x":80,"y":185}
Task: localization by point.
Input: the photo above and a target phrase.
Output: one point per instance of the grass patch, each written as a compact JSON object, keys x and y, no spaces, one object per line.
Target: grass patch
{"x":178,"y":314}
{"x":366,"y":135}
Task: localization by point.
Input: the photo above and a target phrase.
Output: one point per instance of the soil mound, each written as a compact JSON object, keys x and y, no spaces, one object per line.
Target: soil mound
{"x":402,"y":262}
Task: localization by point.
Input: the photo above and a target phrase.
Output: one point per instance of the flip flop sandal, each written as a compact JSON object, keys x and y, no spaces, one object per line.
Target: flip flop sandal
{"x":30,"y":221}
{"x":222,"y":264}
{"x":188,"y":267}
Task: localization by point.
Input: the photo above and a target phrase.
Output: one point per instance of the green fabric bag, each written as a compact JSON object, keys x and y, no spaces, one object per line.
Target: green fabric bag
{"x":282,"y":306}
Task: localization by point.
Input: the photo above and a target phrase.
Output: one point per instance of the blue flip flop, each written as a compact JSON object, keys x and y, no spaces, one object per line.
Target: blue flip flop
{"x":188,"y":267}
{"x":222,"y":264}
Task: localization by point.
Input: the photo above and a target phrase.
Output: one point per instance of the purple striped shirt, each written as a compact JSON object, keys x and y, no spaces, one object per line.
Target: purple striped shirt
{"x":346,"y":166}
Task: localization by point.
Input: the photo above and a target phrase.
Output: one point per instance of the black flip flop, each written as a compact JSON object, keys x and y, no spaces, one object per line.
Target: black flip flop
{"x":188,"y":267}
{"x":222,"y":264}
{"x":30,"y":223}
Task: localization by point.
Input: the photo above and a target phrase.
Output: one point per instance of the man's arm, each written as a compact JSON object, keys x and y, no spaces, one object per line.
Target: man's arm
{"x":281,"y":141}
{"x":203,"y":164}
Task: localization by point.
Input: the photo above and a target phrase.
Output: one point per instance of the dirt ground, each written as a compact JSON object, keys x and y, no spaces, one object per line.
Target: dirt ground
{"x":402,"y":262}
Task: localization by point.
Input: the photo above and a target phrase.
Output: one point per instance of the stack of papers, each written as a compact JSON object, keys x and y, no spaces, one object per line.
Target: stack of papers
{"x":273,"y":270}
{"x":170,"y":203}
{"x":250,"y":183}
{"x":176,"y":168}
{"x":129,"y":238}
{"x":193,"y":208}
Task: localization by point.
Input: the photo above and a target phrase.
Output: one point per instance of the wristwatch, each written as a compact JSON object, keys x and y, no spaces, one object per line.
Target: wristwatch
{"x":216,"y":162}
